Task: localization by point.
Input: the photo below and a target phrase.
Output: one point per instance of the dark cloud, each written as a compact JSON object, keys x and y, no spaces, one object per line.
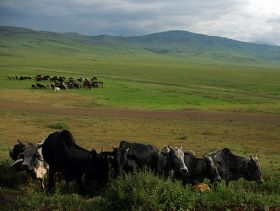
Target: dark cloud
{"x":134,"y":17}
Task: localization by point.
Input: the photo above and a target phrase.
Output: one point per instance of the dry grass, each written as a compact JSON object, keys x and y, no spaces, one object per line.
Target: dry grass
{"x":200,"y":132}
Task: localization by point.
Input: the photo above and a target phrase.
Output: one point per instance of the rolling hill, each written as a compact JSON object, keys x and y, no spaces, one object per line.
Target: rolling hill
{"x":183,"y":44}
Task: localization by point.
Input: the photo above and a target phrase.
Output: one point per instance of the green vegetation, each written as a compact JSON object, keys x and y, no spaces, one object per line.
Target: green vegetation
{"x":144,"y":191}
{"x":138,"y":78}
{"x":58,"y":126}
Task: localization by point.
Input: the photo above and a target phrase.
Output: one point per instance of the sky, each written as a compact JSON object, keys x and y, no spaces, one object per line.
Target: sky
{"x":245,"y":20}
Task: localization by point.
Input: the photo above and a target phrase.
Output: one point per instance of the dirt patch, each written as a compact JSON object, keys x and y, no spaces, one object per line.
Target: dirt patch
{"x":191,"y":115}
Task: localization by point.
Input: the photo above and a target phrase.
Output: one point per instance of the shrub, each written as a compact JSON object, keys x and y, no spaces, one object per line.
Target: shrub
{"x":58,"y":126}
{"x":9,"y":177}
{"x":144,"y":191}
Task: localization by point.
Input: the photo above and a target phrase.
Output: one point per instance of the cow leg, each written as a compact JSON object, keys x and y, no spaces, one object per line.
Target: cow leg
{"x":80,"y":184}
{"x":51,"y":178}
{"x":42,"y":184}
{"x":227,"y":183}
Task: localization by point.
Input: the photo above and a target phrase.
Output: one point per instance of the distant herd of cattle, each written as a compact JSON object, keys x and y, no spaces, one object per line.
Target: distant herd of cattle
{"x":59,"y":155}
{"x":61,"y":82}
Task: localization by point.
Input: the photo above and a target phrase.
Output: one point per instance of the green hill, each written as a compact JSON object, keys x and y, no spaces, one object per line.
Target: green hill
{"x":191,"y":46}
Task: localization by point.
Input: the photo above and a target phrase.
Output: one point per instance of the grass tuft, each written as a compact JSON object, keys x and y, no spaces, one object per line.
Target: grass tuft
{"x":58,"y":126}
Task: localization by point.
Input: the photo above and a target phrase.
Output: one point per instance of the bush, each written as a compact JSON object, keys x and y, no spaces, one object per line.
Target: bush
{"x":58,"y":126}
{"x":9,"y":177}
{"x":144,"y":191}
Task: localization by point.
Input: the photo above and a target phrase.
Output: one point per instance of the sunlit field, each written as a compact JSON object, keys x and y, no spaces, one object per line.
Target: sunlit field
{"x":150,"y":99}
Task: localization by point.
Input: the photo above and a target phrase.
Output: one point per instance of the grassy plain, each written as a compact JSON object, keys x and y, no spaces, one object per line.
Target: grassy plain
{"x":147,"y":98}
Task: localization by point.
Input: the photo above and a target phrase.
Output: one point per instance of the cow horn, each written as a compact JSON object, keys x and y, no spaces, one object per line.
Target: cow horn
{"x":256,"y":156}
{"x":16,"y":162}
{"x":113,"y":148}
{"x":20,"y":142}
{"x":102,"y":149}
{"x":39,"y":145}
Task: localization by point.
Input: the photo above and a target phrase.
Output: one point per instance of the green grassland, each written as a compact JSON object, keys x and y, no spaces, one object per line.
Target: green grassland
{"x":140,"y":79}
{"x":147,"y":80}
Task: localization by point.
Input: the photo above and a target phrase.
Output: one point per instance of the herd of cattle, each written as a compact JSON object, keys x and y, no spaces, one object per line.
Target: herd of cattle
{"x":61,"y":82}
{"x":60,"y":156}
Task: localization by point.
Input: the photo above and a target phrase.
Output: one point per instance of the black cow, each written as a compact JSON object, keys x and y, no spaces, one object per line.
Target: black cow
{"x":199,"y":169}
{"x":98,"y":168}
{"x":63,"y":155}
{"x":102,"y":164}
{"x":232,"y":167}
{"x":140,"y":155}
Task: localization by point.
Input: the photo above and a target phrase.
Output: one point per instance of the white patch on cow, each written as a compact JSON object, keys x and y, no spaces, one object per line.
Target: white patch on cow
{"x":180,"y":155}
{"x":165,"y":149}
{"x":56,"y":89}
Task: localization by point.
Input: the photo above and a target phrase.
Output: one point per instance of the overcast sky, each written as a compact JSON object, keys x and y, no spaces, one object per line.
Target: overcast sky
{"x":246,"y":20}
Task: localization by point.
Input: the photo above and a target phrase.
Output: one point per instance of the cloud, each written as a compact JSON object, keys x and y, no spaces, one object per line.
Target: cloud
{"x":239,"y":19}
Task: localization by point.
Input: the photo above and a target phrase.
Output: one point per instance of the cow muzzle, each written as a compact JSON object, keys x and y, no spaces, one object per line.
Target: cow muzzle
{"x":260,"y":181}
{"x":217,"y":180}
{"x":184,"y":171}
{"x":26,"y":167}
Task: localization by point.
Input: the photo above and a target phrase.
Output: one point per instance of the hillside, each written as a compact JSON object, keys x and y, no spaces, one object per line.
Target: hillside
{"x":191,"y":46}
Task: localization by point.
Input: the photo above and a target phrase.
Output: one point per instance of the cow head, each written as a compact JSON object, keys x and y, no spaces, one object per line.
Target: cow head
{"x":30,"y":157}
{"x":253,"y":169}
{"x":119,"y":161}
{"x":176,"y":159}
{"x":97,"y":168}
{"x":15,"y":152}
{"x":212,"y":169}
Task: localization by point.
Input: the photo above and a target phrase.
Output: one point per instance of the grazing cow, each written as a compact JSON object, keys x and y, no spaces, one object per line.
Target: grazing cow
{"x":63,"y":155}
{"x":199,"y":169}
{"x":40,"y":86}
{"x":101,"y":165}
{"x":56,"y":89}
{"x":232,"y":167}
{"x":171,"y":161}
{"x":98,"y":168}
{"x":30,"y":159}
{"x":87,"y":84}
{"x":140,"y":155}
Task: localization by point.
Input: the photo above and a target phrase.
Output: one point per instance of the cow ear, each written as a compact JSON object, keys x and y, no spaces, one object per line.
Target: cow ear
{"x":206,"y":158}
{"x":93,"y":153}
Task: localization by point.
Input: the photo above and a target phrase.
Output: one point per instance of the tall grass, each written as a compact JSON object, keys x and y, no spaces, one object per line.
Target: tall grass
{"x":144,"y":191}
